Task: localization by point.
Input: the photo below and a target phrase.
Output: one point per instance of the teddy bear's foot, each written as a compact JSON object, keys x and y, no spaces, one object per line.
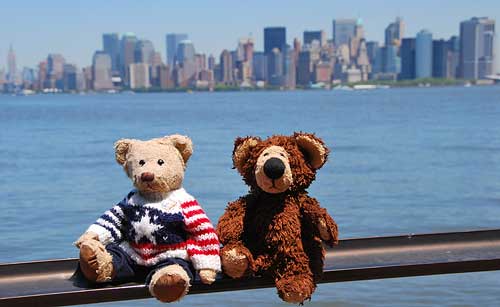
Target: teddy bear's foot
{"x":295,"y":289}
{"x":95,"y":262}
{"x":236,"y":261}
{"x":169,"y":284}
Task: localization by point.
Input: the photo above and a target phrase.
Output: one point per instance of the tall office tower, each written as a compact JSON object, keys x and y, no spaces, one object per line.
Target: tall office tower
{"x":454,"y":56}
{"x":127,"y":55}
{"x":246,"y":48}
{"x":363,"y":61}
{"x":226,"y":66}
{"x":356,"y":39}
{"x":392,"y":61}
{"x":139,"y":76}
{"x":440,"y":59}
{"x":157,"y":62}
{"x":274,"y":37}
{"x":165,"y":76}
{"x":290,"y":69}
{"x":309,"y":36}
{"x":304,"y":68}
{"x":211,"y":62}
{"x":394,"y":32}
{"x":477,"y":41}
{"x":185,"y":51}
{"x":11,"y":66}
{"x":407,"y":52}
{"x":343,"y":30}
{"x":260,"y":66}
{"x":372,"y":48}
{"x":297,"y":47}
{"x":201,"y":61}
{"x":144,"y":52}
{"x":423,"y":54}
{"x":55,"y":70}
{"x":69,"y":78}
{"x":102,"y":67}
{"x":275,"y":67}
{"x":111,"y":45}
{"x":42,"y":74}
{"x":172,"y":41}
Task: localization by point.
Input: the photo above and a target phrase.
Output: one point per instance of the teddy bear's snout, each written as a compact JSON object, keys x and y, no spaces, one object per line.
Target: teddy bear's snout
{"x":147,"y":177}
{"x":274,"y":168}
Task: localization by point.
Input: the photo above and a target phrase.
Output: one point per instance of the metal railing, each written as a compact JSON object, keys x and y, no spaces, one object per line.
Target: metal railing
{"x":54,"y":282}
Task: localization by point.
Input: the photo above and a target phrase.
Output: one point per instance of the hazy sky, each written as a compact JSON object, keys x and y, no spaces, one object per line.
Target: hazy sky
{"x":74,"y":28}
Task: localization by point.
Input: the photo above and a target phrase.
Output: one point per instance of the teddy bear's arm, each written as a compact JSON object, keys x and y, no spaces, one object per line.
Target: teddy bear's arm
{"x":324,"y":224}
{"x":230,"y":226}
{"x":109,"y":227}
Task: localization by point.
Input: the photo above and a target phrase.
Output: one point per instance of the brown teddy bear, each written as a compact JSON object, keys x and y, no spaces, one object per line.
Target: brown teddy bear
{"x":277,"y":229}
{"x":158,"y":231}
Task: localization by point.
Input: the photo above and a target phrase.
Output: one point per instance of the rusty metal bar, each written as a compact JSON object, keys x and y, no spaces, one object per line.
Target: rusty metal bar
{"x":53,"y":283}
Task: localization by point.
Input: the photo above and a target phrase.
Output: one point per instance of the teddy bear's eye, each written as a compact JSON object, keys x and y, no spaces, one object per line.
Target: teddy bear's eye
{"x":160,"y":162}
{"x":281,"y":154}
{"x":142,"y":162}
{"x":266,"y":154}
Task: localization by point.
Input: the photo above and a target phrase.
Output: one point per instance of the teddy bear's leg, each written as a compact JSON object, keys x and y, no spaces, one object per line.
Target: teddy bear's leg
{"x":170,"y":283}
{"x":236,"y":260}
{"x":294,"y":279}
{"x":96,"y":263}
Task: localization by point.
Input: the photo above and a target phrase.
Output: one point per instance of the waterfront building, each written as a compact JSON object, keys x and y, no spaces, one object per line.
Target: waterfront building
{"x":11,"y":66}
{"x":165,"y":77}
{"x":363,"y":61}
{"x":440,"y":62}
{"x":343,"y":30}
{"x":275,"y":67}
{"x":69,"y":78}
{"x":185,"y":51}
{"x":274,"y":37}
{"x":477,"y":41}
{"x":304,"y":68}
{"x":111,"y":45}
{"x":157,"y":62}
{"x":453,"y":56}
{"x":144,"y":52}
{"x":42,"y":75}
{"x":423,"y":54}
{"x":226,"y":68}
{"x":172,"y":41}
{"x":127,"y":55}
{"x":102,"y":67}
{"x":356,"y":40}
{"x":407,"y":52}
{"x":185,"y":57}
{"x":211,"y":62}
{"x":55,"y":70}
{"x":260,"y":66}
{"x":394,"y":32}
{"x":290,"y":70}
{"x":322,"y":73}
{"x":139,"y":76}
{"x":310,"y":36}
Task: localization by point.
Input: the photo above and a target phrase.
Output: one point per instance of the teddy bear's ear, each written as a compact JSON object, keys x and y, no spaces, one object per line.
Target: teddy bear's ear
{"x":242,"y":149}
{"x":313,"y":148}
{"x":183,"y":144}
{"x":122,"y":147}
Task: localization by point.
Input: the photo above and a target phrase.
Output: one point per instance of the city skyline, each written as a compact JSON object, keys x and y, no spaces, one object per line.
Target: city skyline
{"x":211,"y":26}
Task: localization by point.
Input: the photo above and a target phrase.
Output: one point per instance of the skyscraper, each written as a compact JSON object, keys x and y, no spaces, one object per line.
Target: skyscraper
{"x":394,"y":32}
{"x":440,"y":55}
{"x":309,"y":36}
{"x":226,"y":66}
{"x":304,"y":68}
{"x":55,"y":70}
{"x":343,"y":30}
{"x":274,"y":37}
{"x":407,"y":52}
{"x":423,"y":54}
{"x":172,"y":41}
{"x":139,"y":76}
{"x":127,"y":55}
{"x":102,"y":71}
{"x":144,"y":52}
{"x":185,"y":51}
{"x":477,"y":41}
{"x":11,"y":66}
{"x":69,"y":77}
{"x":260,"y":66}
{"x":111,"y":45}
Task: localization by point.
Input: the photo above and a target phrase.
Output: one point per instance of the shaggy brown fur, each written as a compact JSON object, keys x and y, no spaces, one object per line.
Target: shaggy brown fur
{"x":279,"y":233}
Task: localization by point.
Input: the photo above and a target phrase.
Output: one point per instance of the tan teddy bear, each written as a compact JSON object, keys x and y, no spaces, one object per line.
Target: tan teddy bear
{"x":158,"y":230}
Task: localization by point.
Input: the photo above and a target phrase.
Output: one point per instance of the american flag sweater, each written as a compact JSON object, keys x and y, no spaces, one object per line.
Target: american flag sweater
{"x":176,"y":227}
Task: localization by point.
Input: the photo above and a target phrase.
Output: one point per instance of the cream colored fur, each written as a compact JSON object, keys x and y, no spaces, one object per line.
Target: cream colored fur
{"x":103,"y":258}
{"x":279,"y":185}
{"x":315,"y":149}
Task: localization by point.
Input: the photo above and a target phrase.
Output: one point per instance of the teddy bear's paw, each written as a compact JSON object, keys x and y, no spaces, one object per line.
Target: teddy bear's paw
{"x":95,"y":262}
{"x":323,"y":230}
{"x":169,"y":284}
{"x":295,"y":289}
{"x":234,"y":264}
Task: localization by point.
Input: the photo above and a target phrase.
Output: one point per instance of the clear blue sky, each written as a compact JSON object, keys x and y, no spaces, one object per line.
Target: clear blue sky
{"x":74,"y":28}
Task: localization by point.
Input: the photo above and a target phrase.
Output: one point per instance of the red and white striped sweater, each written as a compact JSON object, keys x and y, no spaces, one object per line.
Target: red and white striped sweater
{"x":176,"y":227}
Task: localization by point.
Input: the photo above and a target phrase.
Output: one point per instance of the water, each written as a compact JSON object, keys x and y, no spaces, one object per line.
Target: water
{"x":403,"y":161}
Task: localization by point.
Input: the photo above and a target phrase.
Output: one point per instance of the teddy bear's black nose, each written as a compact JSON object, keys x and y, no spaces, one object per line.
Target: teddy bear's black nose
{"x":274,"y":168}
{"x":147,"y":177}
